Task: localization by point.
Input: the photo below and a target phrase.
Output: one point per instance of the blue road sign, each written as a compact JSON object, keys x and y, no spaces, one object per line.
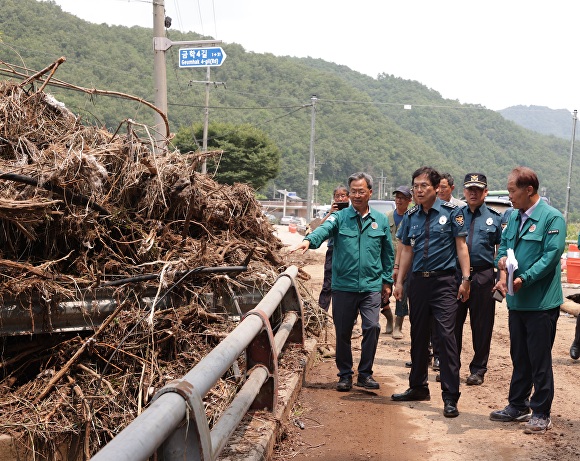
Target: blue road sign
{"x":201,"y":57}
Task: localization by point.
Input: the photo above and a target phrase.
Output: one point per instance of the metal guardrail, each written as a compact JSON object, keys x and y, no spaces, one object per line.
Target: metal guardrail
{"x":175,"y":425}
{"x":86,"y":309}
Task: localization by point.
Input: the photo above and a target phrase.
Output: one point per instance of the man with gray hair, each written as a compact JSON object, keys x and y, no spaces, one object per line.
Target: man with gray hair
{"x":359,"y":284}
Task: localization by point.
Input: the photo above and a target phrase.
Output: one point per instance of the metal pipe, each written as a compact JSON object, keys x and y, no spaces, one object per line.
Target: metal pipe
{"x":229,"y":420}
{"x":216,"y":363}
{"x":284,"y":331}
{"x":144,"y":435}
{"x":139,"y":440}
{"x":197,"y":270}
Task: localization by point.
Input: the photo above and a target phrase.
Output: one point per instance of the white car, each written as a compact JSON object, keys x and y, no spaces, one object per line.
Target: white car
{"x":285,"y":220}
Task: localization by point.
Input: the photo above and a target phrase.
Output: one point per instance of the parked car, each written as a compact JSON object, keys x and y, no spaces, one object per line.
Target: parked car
{"x":499,"y":203}
{"x":270,"y":217}
{"x":285,"y":220}
{"x":382,"y":206}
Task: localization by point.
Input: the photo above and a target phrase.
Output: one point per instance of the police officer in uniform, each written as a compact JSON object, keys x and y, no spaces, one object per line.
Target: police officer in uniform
{"x":484,"y":236}
{"x":433,"y":240}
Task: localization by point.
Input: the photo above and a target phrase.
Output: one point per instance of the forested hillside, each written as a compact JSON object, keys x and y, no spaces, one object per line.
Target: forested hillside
{"x":541,"y":119}
{"x":361,"y":122}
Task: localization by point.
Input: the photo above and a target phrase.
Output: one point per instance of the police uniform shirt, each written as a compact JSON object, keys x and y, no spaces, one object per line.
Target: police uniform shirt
{"x":446,"y":222}
{"x":486,"y":234}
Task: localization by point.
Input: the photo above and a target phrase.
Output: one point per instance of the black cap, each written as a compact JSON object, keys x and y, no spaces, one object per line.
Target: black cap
{"x":475,"y":180}
{"x":403,"y":190}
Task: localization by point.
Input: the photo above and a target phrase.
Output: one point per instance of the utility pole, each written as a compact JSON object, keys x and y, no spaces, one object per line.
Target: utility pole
{"x":159,"y":72}
{"x":574,"y":118}
{"x":160,"y":45}
{"x":311,"y":162}
{"x":205,"y":123}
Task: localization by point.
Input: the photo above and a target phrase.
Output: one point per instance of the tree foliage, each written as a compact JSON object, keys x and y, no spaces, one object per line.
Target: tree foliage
{"x":249,"y":156}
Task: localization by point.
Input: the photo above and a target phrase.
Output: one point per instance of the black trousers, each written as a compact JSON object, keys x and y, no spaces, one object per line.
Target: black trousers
{"x":532,"y":335}
{"x":481,"y":307}
{"x":434,"y":297}
{"x":346,"y":306}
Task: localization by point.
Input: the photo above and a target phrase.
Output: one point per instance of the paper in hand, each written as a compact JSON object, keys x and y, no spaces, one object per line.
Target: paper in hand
{"x":511,"y":266}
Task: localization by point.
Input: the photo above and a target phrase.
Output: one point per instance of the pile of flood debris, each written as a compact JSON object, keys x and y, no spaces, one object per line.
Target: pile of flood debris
{"x":82,"y":209}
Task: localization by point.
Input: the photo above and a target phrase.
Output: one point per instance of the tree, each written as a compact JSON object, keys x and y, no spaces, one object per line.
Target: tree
{"x":249,"y":155}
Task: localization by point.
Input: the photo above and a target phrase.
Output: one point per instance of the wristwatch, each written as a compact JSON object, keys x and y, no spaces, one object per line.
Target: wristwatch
{"x":466,"y":279}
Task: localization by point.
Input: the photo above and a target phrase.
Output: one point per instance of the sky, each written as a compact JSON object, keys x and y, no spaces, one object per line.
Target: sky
{"x":498,"y":53}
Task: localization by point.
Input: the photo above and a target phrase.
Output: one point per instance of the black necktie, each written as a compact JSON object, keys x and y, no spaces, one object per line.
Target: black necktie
{"x":470,"y":235}
{"x":426,"y":247}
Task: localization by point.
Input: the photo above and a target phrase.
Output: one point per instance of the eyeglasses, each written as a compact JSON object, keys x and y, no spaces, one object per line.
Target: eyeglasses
{"x":358,"y":193}
{"x":422,"y":186}
{"x":340,"y":195}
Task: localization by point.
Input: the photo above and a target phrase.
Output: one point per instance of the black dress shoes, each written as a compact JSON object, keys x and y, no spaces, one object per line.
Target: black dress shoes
{"x":367,"y":383}
{"x":436,"y":366}
{"x":474,"y":380}
{"x":344,"y":384}
{"x":575,"y":350}
{"x":450,"y":409}
{"x":411,"y":395}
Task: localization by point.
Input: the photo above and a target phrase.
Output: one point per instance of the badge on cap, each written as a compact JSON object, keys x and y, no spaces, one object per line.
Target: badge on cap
{"x":532,"y":228}
{"x":489,"y":221}
{"x":374,"y":225}
{"x":442,"y":220}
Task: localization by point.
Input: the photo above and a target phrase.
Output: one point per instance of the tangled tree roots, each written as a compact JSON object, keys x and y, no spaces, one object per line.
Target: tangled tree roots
{"x":80,"y":208}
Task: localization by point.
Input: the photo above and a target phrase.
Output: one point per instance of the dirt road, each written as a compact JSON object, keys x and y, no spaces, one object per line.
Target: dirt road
{"x":367,"y":425}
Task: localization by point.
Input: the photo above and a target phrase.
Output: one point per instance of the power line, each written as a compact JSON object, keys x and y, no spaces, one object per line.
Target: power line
{"x":404,"y":104}
{"x":237,"y":107}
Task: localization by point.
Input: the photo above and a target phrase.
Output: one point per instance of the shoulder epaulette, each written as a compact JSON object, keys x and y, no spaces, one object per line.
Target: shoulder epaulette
{"x":448,"y":204}
{"x":412,"y":210}
{"x":494,"y":210}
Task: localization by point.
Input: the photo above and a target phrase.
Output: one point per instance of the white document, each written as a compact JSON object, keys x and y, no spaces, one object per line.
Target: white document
{"x":511,"y":266}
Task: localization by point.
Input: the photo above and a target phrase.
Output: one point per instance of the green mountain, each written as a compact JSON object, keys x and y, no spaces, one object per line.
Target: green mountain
{"x":541,"y":119}
{"x":386,"y":126}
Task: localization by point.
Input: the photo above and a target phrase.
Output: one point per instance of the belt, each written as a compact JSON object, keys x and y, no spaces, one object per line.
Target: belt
{"x":434,"y":273}
{"x":480,"y":268}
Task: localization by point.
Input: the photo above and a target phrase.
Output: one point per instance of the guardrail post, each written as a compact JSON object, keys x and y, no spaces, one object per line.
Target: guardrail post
{"x":192,"y":439}
{"x":291,"y":302}
{"x":262,"y":351}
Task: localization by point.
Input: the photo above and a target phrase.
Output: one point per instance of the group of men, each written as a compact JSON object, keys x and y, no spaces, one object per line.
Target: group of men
{"x":446,"y":254}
